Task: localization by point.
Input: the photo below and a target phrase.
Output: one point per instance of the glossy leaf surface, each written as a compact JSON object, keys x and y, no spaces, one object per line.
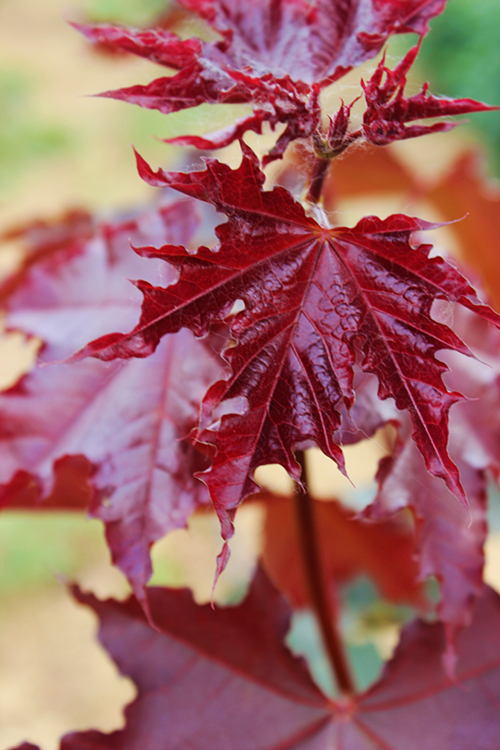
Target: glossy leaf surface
{"x":311,"y":294}
{"x":275,"y":56}
{"x":307,"y":42}
{"x":389,"y":112}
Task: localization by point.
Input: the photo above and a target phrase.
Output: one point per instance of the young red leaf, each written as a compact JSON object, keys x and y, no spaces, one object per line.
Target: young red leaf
{"x":208,"y":679}
{"x":128,"y":420}
{"x":310,"y":294}
{"x":388,"y":111}
{"x":348,"y":546}
{"x":276,"y":58}
{"x":307,"y":42}
{"x":207,"y":76}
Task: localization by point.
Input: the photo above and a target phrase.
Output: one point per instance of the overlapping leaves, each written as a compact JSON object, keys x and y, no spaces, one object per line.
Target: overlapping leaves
{"x":314,"y":300}
{"x":275,"y":56}
{"x":110,"y":436}
{"x":210,"y":679}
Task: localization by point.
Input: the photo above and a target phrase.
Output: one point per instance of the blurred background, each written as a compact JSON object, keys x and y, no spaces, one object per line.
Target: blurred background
{"x":61,"y":148}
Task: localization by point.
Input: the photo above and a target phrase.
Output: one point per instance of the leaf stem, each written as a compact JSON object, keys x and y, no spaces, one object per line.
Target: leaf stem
{"x":318,"y":174}
{"x":315,"y":582}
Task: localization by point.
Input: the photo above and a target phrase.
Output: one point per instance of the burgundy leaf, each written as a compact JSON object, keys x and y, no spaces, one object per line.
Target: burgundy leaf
{"x":275,"y":57}
{"x":307,"y":41}
{"x":450,"y":538}
{"x":388,"y":110}
{"x":312,"y":295}
{"x":128,"y":420}
{"x":204,"y":676}
{"x":206,"y":76}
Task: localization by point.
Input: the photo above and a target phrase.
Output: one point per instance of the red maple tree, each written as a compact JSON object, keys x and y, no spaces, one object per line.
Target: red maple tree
{"x":288,"y":332}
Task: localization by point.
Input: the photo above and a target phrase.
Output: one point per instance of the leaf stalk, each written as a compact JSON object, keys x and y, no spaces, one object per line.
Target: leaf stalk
{"x":318,"y":592}
{"x":318,"y":174}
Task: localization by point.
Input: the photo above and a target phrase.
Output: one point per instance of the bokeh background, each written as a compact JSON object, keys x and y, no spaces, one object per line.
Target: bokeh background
{"x":61,"y":148}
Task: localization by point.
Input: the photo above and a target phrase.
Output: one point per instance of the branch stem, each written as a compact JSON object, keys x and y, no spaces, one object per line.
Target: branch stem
{"x":320,"y":600}
{"x":318,"y":174}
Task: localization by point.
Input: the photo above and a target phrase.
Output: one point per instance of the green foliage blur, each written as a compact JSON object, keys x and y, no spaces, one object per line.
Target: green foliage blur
{"x":461,"y":58}
{"x":24,"y":135}
{"x":134,"y":12}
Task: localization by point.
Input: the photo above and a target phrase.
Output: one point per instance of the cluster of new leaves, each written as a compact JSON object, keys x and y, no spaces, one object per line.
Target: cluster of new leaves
{"x":317,"y":301}
{"x":277,"y":57}
{"x":287,"y":332}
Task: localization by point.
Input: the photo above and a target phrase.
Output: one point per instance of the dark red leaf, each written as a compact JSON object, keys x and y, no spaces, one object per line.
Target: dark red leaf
{"x":311,"y":294}
{"x":388,"y":111}
{"x":275,"y":57}
{"x":208,"y":679}
{"x":310,"y":41}
{"x":348,"y":546}
{"x":206,"y":76}
{"x":450,"y":538}
{"x":114,"y":431}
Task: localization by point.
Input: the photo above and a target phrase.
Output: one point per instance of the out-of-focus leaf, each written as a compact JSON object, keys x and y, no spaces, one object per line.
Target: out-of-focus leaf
{"x":348,"y":546}
{"x":465,"y":192}
{"x":110,"y":436}
{"x":208,"y":679}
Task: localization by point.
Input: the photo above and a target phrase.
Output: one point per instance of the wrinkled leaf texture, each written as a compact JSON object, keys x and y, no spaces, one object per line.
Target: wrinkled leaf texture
{"x":275,"y":55}
{"x":204,"y":676}
{"x":450,"y":539}
{"x":110,"y":436}
{"x":388,"y":112}
{"x":312,"y":295}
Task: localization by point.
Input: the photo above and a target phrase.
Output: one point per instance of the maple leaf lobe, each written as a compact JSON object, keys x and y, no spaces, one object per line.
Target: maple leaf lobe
{"x":310,"y":295}
{"x":275,"y":56}
{"x":72,"y":436}
{"x":200,"y":689}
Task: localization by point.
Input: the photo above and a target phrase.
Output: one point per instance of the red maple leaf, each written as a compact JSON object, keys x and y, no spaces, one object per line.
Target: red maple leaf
{"x":450,"y":538}
{"x":277,"y":58}
{"x":388,"y":111}
{"x":111,"y":437}
{"x":313,"y":297}
{"x":203,"y":676}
